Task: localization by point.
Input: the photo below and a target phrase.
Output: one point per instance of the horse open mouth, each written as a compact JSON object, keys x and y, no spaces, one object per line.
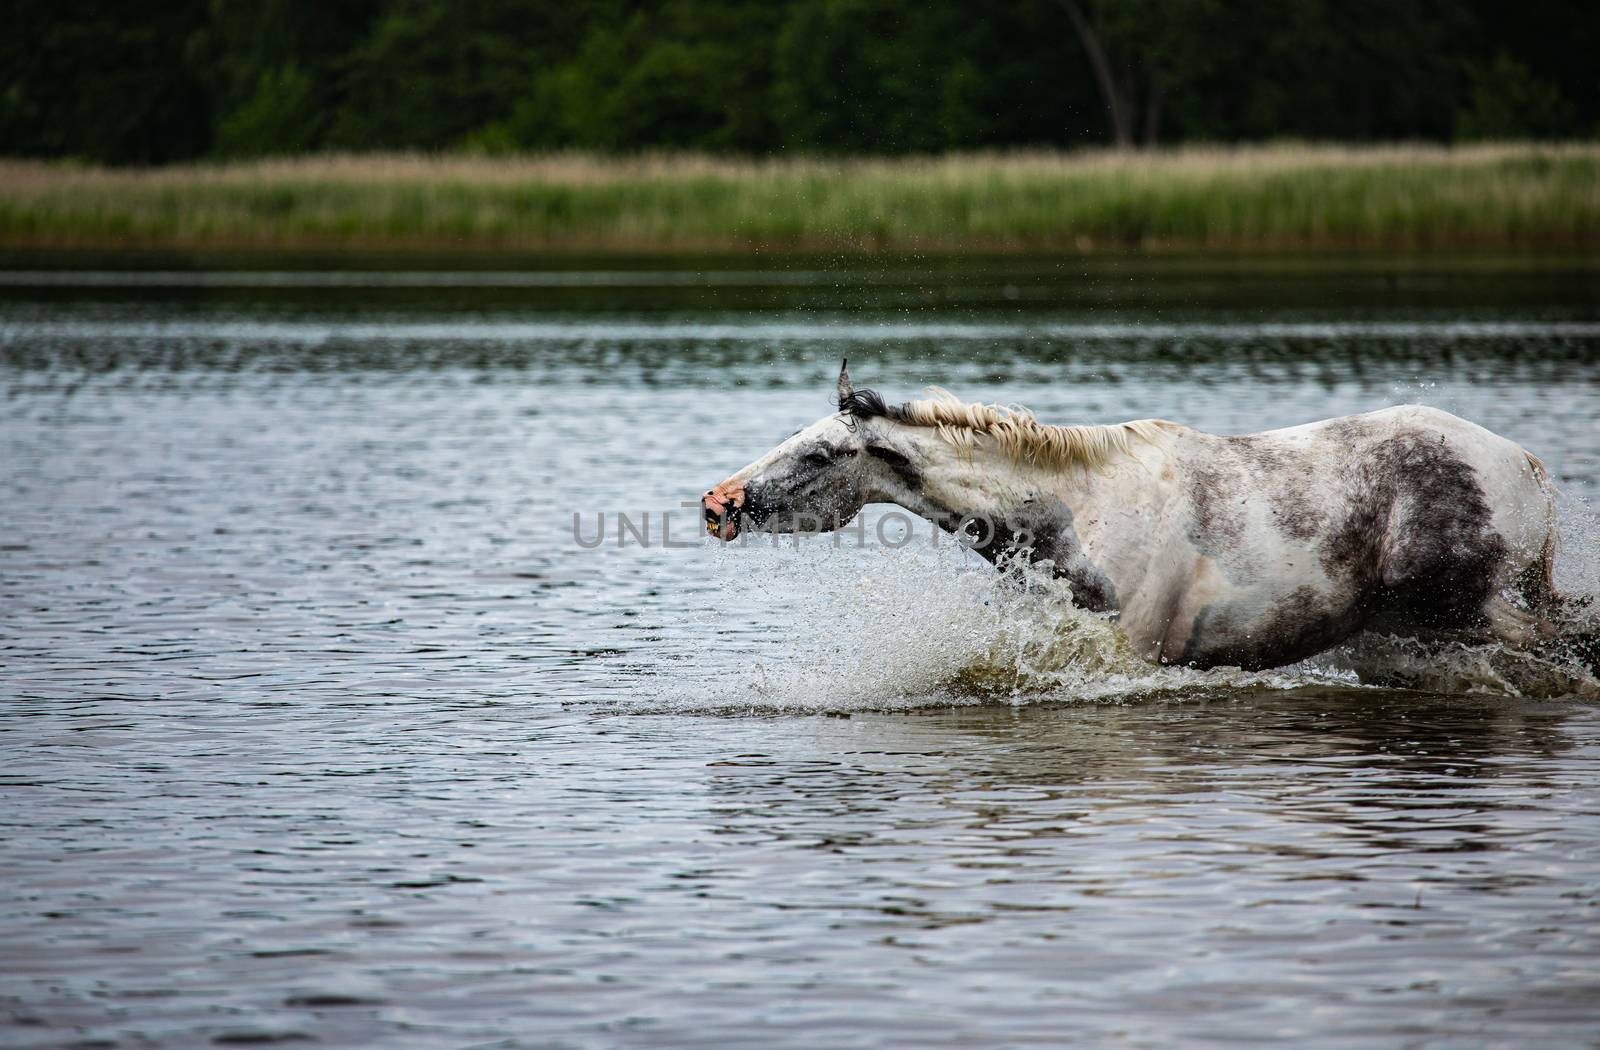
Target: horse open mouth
{"x":723,"y":524}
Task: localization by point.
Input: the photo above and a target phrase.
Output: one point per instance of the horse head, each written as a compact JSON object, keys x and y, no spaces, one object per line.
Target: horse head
{"x":818,"y":479}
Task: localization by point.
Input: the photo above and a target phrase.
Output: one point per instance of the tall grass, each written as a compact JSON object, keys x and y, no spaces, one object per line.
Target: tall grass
{"x":1248,"y":199}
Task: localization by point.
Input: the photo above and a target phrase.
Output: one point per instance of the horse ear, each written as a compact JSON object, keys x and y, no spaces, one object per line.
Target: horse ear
{"x":845,"y":389}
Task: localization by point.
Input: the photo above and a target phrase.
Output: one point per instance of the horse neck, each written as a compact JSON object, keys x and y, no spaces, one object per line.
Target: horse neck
{"x":988,"y":482}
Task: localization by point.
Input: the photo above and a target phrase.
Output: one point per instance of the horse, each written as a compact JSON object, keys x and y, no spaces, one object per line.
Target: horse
{"x":1253,"y":551}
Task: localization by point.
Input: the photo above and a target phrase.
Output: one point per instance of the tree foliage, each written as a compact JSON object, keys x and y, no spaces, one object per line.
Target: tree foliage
{"x":137,"y":83}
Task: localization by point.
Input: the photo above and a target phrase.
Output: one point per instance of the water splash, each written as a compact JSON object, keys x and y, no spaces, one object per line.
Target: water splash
{"x":1577,"y":568}
{"x":1562,"y":669}
{"x":882,"y":629}
{"x":896,"y":630}
{"x":1563,"y":666}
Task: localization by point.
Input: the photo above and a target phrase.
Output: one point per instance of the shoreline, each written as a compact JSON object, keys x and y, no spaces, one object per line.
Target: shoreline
{"x":1267,"y":201}
{"x":873,"y":268}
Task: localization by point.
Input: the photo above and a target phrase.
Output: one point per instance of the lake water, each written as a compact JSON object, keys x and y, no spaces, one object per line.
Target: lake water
{"x":321,"y":723}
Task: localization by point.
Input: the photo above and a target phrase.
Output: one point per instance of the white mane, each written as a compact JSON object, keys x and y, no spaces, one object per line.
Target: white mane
{"x":1016,"y":430}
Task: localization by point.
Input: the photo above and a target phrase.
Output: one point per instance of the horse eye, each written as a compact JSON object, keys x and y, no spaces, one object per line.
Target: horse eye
{"x":816,"y":459}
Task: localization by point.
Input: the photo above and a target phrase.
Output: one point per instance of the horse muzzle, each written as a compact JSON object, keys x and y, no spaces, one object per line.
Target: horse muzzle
{"x":723,"y":506}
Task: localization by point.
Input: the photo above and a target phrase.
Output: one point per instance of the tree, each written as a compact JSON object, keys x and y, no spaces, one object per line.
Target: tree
{"x":118,"y":82}
{"x":896,"y":76}
{"x":1508,"y":102}
{"x":275,"y":69}
{"x":1115,"y":85}
{"x":102,"y":80}
{"x":1142,"y":52}
{"x":692,"y":74}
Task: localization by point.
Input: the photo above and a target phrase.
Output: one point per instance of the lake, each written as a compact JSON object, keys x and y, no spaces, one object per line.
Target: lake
{"x":330,"y":716}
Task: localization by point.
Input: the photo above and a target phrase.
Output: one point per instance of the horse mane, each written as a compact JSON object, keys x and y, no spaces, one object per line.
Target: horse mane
{"x":1012,"y":427}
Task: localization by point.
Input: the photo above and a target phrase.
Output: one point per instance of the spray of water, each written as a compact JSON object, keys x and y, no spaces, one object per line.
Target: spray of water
{"x":893,"y":630}
{"x":885,"y":630}
{"x":1564,"y":665}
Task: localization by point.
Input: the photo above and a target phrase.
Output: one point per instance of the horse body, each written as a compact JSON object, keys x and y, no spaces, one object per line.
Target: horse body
{"x":1265,"y":549}
{"x":1253,"y":551}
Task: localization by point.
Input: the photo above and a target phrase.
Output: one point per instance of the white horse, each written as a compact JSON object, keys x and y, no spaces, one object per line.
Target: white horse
{"x":1253,"y":551}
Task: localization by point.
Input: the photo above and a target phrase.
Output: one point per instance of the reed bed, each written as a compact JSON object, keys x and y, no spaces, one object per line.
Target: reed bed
{"x":1302,"y":198}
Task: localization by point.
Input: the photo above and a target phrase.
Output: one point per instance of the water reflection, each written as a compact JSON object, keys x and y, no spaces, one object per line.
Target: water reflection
{"x":1332,"y":831}
{"x":1364,"y":770}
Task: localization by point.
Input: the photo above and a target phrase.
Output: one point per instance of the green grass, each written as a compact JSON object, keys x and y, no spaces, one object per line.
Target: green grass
{"x":1407,"y":198}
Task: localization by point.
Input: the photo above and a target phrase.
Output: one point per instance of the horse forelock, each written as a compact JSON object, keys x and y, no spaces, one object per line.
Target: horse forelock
{"x":1013,"y":428}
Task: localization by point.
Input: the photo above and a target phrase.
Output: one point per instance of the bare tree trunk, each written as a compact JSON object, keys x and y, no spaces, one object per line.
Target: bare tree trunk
{"x":1152,"y":112}
{"x":1116,"y":105}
